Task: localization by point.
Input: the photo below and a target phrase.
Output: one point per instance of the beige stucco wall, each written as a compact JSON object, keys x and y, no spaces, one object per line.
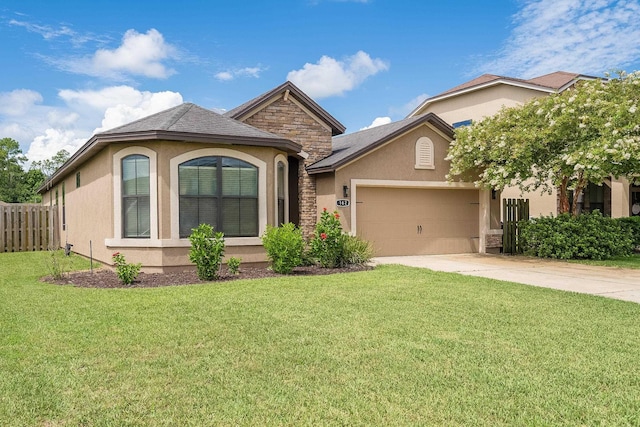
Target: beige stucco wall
{"x":394,"y":161}
{"x":90,"y":209}
{"x":89,"y":212}
{"x":479,"y":104}
{"x":540,"y":203}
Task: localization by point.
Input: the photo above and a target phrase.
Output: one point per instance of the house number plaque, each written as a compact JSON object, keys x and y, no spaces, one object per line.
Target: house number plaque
{"x":342,"y":203}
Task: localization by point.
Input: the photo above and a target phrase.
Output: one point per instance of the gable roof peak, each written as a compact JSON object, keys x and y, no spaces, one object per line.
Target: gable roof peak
{"x":286,"y":89}
{"x":346,"y":148}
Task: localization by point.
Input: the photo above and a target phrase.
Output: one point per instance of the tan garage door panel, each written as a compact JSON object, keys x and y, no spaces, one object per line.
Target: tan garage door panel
{"x":404,"y":221}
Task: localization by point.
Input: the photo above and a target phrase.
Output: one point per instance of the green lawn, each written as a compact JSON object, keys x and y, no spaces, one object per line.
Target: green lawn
{"x":392,"y":346}
{"x":632,"y":261}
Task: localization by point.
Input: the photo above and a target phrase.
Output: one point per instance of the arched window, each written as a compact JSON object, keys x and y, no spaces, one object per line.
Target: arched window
{"x":424,"y":153}
{"x":221,"y":191}
{"x":136,"y":213}
{"x":281,"y":193}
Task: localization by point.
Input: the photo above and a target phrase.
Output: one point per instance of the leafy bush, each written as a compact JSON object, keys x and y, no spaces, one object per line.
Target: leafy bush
{"x":588,"y":236}
{"x":631,"y":227}
{"x":233,"y":265}
{"x":127,"y":273}
{"x":356,"y":250}
{"x":327,"y":244}
{"x":59,"y":264}
{"x":207,"y":250}
{"x":284,"y":246}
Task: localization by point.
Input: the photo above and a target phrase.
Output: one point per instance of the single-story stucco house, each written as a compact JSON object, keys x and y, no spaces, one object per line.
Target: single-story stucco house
{"x":140,"y":188}
{"x":486,"y":95}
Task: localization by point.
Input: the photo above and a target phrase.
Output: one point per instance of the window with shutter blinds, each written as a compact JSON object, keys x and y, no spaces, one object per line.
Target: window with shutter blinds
{"x":221,"y":191}
{"x":424,"y":153}
{"x":280,"y":196}
{"x":136,"y":212}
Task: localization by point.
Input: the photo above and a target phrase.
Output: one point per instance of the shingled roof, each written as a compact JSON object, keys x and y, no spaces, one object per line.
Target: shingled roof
{"x":349,"y":147}
{"x":186,"y":122}
{"x":190,"y":122}
{"x":553,"y":82}
{"x":240,"y":112}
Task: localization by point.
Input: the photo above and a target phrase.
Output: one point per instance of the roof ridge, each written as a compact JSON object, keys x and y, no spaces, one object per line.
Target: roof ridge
{"x":176,"y":107}
{"x":189,"y":106}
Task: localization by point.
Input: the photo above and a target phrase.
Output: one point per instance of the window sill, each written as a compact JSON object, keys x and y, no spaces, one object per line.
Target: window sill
{"x":177,"y":243}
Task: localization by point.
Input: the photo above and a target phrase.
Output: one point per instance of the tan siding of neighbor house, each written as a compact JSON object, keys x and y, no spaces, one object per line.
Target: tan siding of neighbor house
{"x":481,"y":103}
{"x":291,"y":120}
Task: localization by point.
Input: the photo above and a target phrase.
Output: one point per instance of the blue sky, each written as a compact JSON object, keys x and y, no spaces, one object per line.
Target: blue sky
{"x":70,"y":69}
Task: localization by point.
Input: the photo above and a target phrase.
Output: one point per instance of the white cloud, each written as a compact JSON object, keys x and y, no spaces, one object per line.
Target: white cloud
{"x":242,"y":72}
{"x":51,"y":141}
{"x":18,"y":102}
{"x":139,"y":54}
{"x":50,"y":33}
{"x":224,"y":76}
{"x":148,"y":103}
{"x":43,"y":130}
{"x":584,"y":36}
{"x":378,"y":121}
{"x":330,"y":77}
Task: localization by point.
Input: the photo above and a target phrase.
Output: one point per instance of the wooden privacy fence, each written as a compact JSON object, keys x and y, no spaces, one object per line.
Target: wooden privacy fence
{"x":513,"y":210}
{"x":28,"y":227}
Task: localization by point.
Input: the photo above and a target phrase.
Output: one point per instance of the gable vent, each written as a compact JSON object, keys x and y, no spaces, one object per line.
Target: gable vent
{"x":424,"y":153}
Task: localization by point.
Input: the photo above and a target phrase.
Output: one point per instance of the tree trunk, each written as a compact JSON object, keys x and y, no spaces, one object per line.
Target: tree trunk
{"x":576,"y":195}
{"x":563,"y":202}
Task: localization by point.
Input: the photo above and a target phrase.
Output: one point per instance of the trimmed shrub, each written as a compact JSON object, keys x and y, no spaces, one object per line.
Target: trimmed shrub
{"x":233,"y":265}
{"x":631,"y":226}
{"x":356,"y":250}
{"x":207,"y":250}
{"x":127,"y":272}
{"x":587,"y":236}
{"x":284,"y":246}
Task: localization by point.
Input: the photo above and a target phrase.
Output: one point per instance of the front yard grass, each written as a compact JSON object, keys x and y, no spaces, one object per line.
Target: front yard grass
{"x":632,"y":261}
{"x":392,"y":346}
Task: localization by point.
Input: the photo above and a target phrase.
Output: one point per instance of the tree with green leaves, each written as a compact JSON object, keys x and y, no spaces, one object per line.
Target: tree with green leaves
{"x":49,"y":166}
{"x":587,"y":133}
{"x":11,"y":172}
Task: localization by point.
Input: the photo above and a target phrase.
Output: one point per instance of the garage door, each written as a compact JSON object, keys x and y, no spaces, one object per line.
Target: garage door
{"x":405,"y":221}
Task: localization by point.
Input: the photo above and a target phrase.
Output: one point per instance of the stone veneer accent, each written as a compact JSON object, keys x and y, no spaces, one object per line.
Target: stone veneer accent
{"x":289,"y":120}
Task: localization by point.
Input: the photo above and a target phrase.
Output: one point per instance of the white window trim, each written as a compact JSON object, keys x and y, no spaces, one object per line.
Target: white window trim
{"x":419,"y":143}
{"x":176,"y":241}
{"x":118,"y":240}
{"x":281,"y":158}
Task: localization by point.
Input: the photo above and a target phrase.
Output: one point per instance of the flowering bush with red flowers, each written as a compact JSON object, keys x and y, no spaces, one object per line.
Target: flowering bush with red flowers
{"x":127,"y":273}
{"x":327,"y":244}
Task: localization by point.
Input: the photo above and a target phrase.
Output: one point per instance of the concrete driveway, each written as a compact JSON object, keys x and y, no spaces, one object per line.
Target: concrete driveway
{"x":608,"y":282}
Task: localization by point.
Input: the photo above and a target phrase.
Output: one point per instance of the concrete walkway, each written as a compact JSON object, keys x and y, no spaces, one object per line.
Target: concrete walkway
{"x":608,"y":282}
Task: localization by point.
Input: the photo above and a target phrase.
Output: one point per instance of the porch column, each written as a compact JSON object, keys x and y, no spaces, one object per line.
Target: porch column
{"x":485,"y":219}
{"x":619,"y":198}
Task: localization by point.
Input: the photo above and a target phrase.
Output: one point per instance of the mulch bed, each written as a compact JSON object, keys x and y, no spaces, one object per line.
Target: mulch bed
{"x":104,"y":278}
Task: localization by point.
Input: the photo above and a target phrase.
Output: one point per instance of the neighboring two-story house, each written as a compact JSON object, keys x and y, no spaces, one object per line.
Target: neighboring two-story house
{"x":487,"y":94}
